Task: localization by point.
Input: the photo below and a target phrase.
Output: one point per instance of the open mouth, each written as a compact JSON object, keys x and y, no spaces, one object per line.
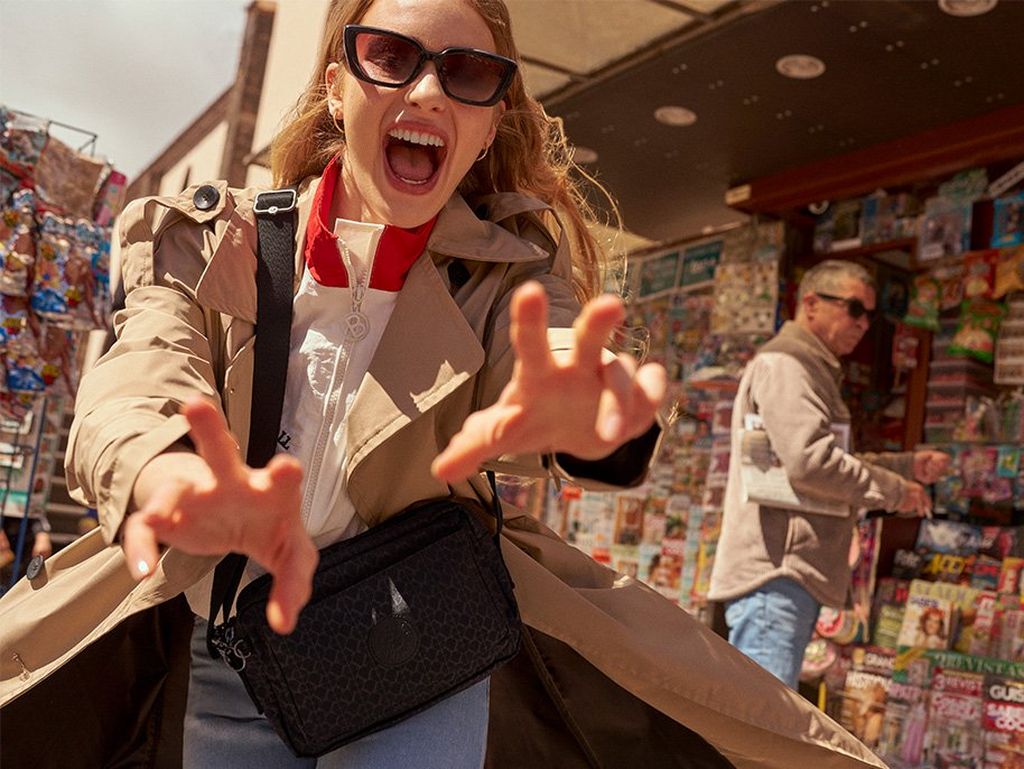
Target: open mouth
{"x":414,"y":157}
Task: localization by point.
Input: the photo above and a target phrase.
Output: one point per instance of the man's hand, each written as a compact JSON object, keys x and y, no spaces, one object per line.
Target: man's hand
{"x":578,"y":403}
{"x":915,"y":500}
{"x":6,"y":554}
{"x":930,"y":466}
{"x":211,"y":503}
{"x":42,"y":545}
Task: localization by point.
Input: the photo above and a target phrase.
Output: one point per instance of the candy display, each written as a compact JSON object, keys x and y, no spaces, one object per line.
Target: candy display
{"x":1008,"y":222}
{"x":1009,"y":272}
{"x":978,"y":329}
{"x":1009,"y":368}
{"x":923,"y":310}
{"x":54,"y":257}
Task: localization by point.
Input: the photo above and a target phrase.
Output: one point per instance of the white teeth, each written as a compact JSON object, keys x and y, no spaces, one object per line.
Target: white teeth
{"x":415,"y":137}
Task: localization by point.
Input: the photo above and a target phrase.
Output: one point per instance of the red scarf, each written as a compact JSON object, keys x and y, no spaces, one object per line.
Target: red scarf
{"x":397,"y":249}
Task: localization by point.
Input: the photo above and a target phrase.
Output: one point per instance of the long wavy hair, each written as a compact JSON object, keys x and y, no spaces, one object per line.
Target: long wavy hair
{"x":530,"y":153}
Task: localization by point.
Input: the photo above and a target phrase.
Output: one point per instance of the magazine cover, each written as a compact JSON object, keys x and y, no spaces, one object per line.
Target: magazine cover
{"x":626,"y":560}
{"x":863,"y":708}
{"x":985,"y":572}
{"x":926,"y":620}
{"x":978,"y":628}
{"x":1008,"y":643}
{"x":943,"y":536}
{"x":886,"y":629}
{"x":665,"y":575}
{"x":907,"y":564}
{"x":1003,"y":723}
{"x":906,"y":719}
{"x":954,"y":735}
{"x":629,"y":517}
{"x":1010,"y":575}
{"x":648,"y":557}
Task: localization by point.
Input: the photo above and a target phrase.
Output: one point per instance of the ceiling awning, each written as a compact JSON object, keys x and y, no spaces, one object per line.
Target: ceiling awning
{"x":570,"y":42}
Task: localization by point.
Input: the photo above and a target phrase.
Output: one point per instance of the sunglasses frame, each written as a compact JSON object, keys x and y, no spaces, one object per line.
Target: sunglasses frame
{"x":851,"y":304}
{"x":352,"y":31}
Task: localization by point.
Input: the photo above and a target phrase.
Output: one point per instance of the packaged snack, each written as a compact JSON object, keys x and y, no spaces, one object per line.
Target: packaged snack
{"x":111,"y":199}
{"x":22,"y":139}
{"x":17,"y":243}
{"x":950,"y":276}
{"x":945,"y":229}
{"x":49,"y":287}
{"x":1009,"y":272}
{"x":904,"y":348}
{"x":979,"y":326}
{"x":924,"y":304}
{"x":979,"y":273}
{"x":14,"y":318}
{"x":67,"y":179}
{"x":1008,"y":221}
{"x":8,"y":184}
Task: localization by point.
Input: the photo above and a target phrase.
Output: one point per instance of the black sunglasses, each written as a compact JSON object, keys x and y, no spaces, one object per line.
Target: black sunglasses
{"x":388,"y":59}
{"x":854,"y":307}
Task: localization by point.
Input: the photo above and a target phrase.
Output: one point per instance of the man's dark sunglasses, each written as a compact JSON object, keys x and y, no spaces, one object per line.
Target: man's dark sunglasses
{"x":855,"y":307}
{"x":388,"y":59}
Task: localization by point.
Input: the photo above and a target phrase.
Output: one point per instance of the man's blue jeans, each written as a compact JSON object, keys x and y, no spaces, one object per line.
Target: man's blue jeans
{"x":224,"y":730}
{"x":773,"y":625}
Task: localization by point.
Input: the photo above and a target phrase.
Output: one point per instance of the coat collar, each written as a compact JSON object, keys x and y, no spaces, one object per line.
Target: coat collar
{"x":227,"y":283}
{"x":798,"y":334}
{"x":430,"y":348}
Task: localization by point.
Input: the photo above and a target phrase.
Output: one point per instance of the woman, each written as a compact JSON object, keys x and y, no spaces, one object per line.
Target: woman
{"x":429,"y":188}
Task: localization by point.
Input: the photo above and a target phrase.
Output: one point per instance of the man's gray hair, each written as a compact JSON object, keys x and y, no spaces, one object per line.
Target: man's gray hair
{"x":827,"y":275}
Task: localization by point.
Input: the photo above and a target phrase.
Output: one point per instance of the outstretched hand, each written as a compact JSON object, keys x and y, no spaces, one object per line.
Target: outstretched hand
{"x":212,"y":503}
{"x":580,"y":402}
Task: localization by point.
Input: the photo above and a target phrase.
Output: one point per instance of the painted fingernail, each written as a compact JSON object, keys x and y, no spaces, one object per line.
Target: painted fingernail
{"x":143,"y":567}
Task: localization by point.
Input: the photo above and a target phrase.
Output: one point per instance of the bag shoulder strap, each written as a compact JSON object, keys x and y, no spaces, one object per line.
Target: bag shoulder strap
{"x":276,"y":215}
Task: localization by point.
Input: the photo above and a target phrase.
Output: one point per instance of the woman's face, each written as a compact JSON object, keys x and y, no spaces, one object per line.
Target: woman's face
{"x":386,"y":178}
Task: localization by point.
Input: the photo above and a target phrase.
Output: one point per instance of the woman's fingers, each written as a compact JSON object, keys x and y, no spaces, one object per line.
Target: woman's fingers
{"x":293,"y":581}
{"x":595,"y":323}
{"x":139,"y":542}
{"x":213,"y":442}
{"x":529,"y":328}
{"x":615,"y":407}
{"x":652,"y":381}
{"x":484,"y":435}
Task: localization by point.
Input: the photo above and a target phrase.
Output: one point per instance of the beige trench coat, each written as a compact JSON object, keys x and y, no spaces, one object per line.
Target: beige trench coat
{"x":188,"y":327}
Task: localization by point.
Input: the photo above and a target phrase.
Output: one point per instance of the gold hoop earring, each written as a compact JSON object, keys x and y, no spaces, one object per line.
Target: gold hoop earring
{"x":484,"y":153}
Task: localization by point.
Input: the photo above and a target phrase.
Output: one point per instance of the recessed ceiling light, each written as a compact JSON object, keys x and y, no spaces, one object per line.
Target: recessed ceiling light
{"x":800,"y":66}
{"x":967,"y":7}
{"x":675,"y":116}
{"x":583,"y":155}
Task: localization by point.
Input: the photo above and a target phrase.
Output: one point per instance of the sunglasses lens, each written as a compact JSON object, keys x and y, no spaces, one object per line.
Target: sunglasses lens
{"x":472,"y":77}
{"x":857,"y":310}
{"x":386,"y":59}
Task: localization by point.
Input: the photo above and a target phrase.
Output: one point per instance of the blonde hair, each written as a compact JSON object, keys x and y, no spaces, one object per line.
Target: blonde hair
{"x":530,"y":153}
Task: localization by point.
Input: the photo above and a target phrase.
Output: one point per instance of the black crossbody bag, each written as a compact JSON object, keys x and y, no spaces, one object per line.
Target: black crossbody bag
{"x":402,"y":616}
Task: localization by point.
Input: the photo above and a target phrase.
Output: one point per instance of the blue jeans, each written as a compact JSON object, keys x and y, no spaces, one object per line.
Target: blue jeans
{"x":773,"y":625}
{"x":224,"y":730}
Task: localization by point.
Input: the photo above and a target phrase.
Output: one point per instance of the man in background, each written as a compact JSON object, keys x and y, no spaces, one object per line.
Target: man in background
{"x":775,"y":567}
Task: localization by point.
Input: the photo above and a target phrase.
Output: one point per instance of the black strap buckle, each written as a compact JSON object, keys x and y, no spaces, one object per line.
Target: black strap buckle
{"x":275,"y":202}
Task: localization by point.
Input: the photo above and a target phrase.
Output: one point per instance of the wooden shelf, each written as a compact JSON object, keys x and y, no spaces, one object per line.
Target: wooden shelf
{"x":882,"y":252}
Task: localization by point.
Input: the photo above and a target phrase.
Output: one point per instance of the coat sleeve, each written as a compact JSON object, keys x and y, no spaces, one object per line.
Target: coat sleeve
{"x":126,"y":410}
{"x":798,"y":424}
{"x":625,"y":467}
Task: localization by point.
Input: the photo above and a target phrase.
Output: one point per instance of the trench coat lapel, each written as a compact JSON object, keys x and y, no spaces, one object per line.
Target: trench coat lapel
{"x":429,"y":350}
{"x":227,"y":283}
